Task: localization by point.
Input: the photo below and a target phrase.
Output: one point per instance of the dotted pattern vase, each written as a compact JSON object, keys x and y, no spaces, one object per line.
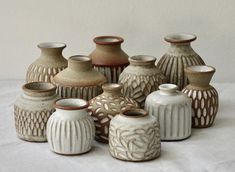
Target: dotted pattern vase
{"x":105,"y":106}
{"x":173,"y":110}
{"x":141,"y":78}
{"x":48,"y":64}
{"x":32,"y":109}
{"x":134,"y":136}
{"x":179,"y":55}
{"x":205,"y":97}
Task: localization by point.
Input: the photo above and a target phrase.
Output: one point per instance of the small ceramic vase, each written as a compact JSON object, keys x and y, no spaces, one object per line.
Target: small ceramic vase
{"x":108,"y":57}
{"x":48,"y":64}
{"x":105,"y":106}
{"x":173,"y":110}
{"x":70,"y":130}
{"x":32,"y":109}
{"x":141,"y":78}
{"x":179,"y":55}
{"x":134,"y":136}
{"x":79,"y":79}
{"x":205,"y":97}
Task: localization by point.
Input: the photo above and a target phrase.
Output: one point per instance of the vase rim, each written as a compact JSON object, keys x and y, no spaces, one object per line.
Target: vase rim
{"x":180,"y":37}
{"x":112,"y":86}
{"x":51,"y":45}
{"x":142,"y":59}
{"x":108,"y":40}
{"x":200,"y":69}
{"x":38,"y":87}
{"x":80,"y":58}
{"x":168,"y":87}
{"x":134,"y":113}
{"x":71,"y":104}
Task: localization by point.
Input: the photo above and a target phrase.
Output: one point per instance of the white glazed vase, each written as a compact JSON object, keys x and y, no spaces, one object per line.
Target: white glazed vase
{"x":173,"y":111}
{"x":70,"y":130}
{"x":134,"y":136}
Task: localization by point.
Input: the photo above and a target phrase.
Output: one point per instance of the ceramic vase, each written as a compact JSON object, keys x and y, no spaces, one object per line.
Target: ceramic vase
{"x":205,"y":97}
{"x":70,"y":130}
{"x":79,"y":79}
{"x":48,"y":64}
{"x":179,"y":55}
{"x":105,"y":106}
{"x":32,"y":109}
{"x":173,"y":110}
{"x":141,"y":78}
{"x":134,"y":136}
{"x":108,"y":57}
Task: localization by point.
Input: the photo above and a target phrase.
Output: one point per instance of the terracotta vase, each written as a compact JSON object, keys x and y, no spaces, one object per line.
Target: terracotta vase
{"x":134,"y":136}
{"x":179,"y":55}
{"x":32,"y":109}
{"x":70,"y":130}
{"x":205,"y":97}
{"x":48,"y":64}
{"x":173,"y":110}
{"x":108,"y":57}
{"x":79,"y":79}
{"x":141,"y":78}
{"x":105,"y":106}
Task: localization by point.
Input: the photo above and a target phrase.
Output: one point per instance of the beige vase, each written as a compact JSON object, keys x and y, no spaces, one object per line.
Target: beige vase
{"x":205,"y":100}
{"x":48,"y":64}
{"x":79,"y":79}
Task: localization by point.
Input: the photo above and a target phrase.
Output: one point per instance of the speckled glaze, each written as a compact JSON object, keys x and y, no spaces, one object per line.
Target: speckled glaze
{"x":179,"y":55}
{"x":204,"y":96}
{"x":48,"y":64}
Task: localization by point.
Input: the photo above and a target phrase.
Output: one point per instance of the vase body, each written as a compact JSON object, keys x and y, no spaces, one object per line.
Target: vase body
{"x":32,"y":109}
{"x":48,"y":64}
{"x":173,"y":110}
{"x":79,"y":79}
{"x":134,"y":136}
{"x":70,"y":130}
{"x":179,"y":55}
{"x":205,"y":100}
{"x":141,"y":78}
{"x":105,"y":106}
{"x":108,"y":57}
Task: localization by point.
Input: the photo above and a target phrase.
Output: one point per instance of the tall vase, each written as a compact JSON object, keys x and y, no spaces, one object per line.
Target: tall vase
{"x":79,"y":79}
{"x":179,"y":55}
{"x":205,"y":97}
{"x":141,"y":78}
{"x":48,"y":64}
{"x":108,"y":57}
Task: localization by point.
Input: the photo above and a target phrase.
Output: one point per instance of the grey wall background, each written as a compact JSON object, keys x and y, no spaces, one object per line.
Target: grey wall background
{"x":142,"y":23}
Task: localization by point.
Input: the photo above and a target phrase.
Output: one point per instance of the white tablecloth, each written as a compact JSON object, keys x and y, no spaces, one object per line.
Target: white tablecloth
{"x":211,"y":149}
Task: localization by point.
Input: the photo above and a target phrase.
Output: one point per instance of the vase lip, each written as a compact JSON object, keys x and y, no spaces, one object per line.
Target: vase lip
{"x":180,"y":38}
{"x":134,"y":113}
{"x":80,"y":58}
{"x":51,"y":45}
{"x":38,"y":87}
{"x":142,"y":59}
{"x":112,"y":86}
{"x":71,"y":104}
{"x":168,"y":87}
{"x":200,"y":69}
{"x":108,"y":40}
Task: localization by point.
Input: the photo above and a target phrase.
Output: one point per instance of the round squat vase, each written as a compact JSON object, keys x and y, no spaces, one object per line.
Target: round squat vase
{"x":205,"y":97}
{"x":32,"y":109}
{"x":173,"y":110}
{"x":48,"y":64}
{"x":108,"y":57}
{"x":70,"y":130}
{"x":134,"y":136}
{"x":105,"y":106}
{"x":179,"y":55}
{"x":79,"y":79}
{"x":141,"y":78}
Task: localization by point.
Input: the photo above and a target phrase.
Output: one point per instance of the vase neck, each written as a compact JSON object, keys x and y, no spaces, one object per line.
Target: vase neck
{"x":51,"y":49}
{"x":168,"y":89}
{"x":142,"y":60}
{"x":112,"y":89}
{"x":79,"y":63}
{"x":111,"y":47}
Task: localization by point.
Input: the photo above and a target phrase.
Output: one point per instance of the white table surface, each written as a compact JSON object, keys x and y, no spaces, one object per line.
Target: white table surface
{"x":211,"y":149}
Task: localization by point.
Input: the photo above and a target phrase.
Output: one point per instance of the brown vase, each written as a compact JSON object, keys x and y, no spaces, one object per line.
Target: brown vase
{"x":48,"y":64}
{"x":105,"y":106}
{"x":79,"y":79}
{"x":108,"y":57}
{"x":205,"y":100}
{"x":179,"y":55}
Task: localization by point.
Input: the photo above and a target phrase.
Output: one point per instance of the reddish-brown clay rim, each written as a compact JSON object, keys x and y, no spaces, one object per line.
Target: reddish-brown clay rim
{"x":167,"y":39}
{"x":24,"y":87}
{"x":135,"y":110}
{"x":119,"y":40}
{"x":188,"y":70}
{"x":69,"y":107}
